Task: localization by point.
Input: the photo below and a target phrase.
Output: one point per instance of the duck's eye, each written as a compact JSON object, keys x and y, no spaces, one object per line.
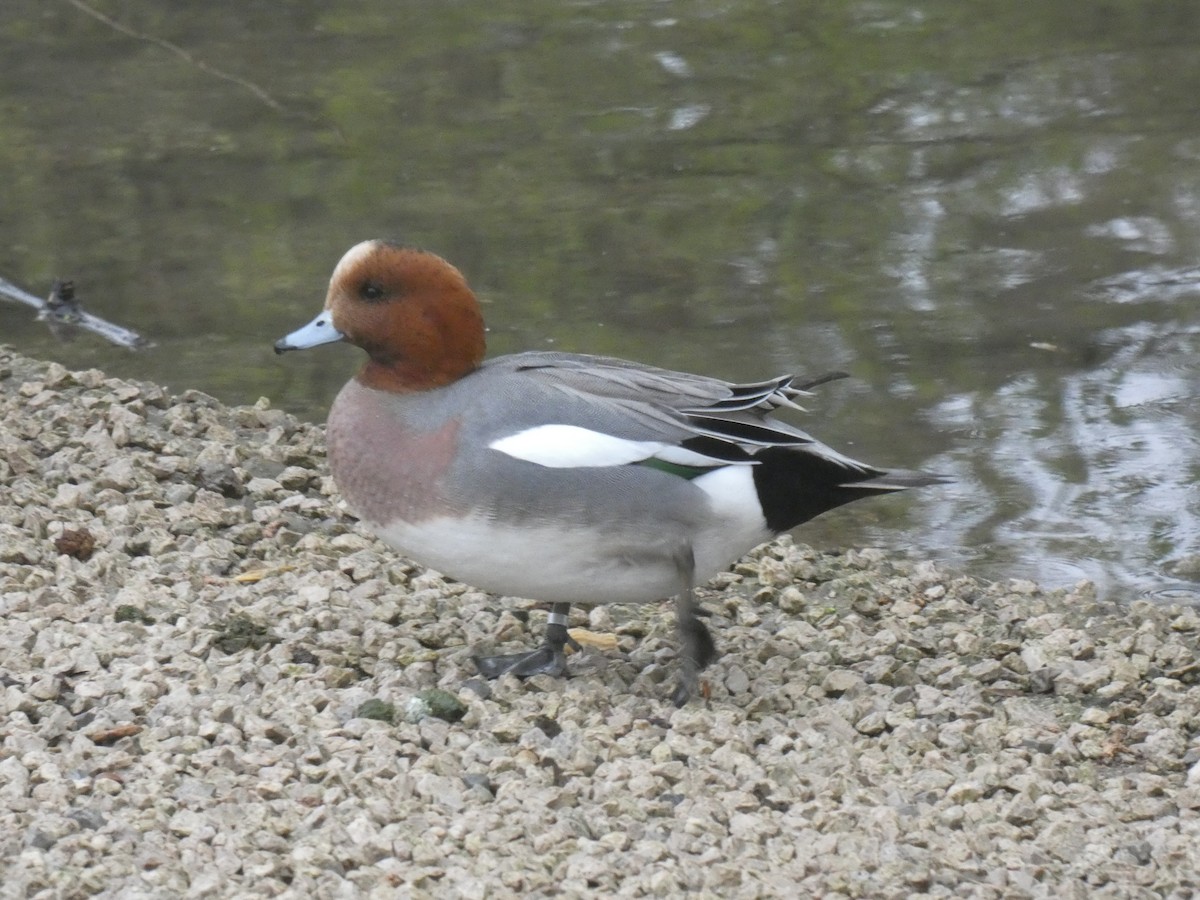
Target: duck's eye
{"x":371,"y":291}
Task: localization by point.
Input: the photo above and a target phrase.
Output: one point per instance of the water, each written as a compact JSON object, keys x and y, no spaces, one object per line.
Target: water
{"x":987,"y":213}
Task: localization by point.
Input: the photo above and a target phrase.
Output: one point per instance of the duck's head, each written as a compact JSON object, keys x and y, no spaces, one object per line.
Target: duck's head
{"x":410,"y":310}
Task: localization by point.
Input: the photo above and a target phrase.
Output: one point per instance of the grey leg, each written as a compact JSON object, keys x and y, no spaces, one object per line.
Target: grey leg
{"x":696,"y":647}
{"x":548,"y":659}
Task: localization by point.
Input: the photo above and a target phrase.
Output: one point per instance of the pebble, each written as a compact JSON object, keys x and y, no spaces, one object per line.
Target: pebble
{"x":962,"y":738}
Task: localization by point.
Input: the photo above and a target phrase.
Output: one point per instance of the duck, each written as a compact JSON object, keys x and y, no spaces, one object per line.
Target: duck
{"x":564,"y":478}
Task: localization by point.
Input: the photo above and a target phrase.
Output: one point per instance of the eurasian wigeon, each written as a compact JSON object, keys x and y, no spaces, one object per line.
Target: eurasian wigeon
{"x":557,"y":476}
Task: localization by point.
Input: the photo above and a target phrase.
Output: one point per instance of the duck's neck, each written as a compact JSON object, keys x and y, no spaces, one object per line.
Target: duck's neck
{"x":409,"y":376}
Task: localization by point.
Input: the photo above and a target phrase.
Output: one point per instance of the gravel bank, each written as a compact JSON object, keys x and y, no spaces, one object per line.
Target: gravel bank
{"x":193,"y":635}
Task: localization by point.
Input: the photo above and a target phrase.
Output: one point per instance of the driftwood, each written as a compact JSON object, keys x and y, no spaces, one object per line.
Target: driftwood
{"x":63,"y":313}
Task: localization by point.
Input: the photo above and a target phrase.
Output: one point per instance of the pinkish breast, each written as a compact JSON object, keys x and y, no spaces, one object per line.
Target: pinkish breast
{"x":386,"y":469}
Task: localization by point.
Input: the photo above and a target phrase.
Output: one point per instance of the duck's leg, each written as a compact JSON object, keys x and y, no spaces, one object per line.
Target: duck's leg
{"x":696,"y":648}
{"x":548,"y":659}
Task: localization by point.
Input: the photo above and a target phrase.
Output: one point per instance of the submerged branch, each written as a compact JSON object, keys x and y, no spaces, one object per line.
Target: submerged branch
{"x":63,"y":312}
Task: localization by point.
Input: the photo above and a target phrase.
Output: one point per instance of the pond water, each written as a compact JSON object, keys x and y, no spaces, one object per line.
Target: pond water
{"x":988,"y":213}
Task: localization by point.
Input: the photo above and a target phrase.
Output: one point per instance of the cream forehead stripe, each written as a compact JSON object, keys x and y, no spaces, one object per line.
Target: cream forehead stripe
{"x":351,"y":258}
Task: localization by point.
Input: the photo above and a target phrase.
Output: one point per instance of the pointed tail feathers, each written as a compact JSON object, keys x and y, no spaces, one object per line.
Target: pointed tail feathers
{"x":796,"y":484}
{"x":897,"y":480}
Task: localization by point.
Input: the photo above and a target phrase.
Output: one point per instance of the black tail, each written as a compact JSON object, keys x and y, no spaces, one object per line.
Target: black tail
{"x":797,"y":484}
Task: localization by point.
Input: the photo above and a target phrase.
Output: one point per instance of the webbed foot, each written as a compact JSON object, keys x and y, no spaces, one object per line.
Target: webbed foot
{"x":545,"y":660}
{"x":548,"y":659}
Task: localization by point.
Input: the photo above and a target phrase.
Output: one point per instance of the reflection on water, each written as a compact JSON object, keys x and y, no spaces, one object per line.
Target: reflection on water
{"x":988,"y":215}
{"x":1067,"y":458}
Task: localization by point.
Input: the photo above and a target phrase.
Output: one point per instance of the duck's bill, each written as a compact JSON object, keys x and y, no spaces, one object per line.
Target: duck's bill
{"x":319,"y":331}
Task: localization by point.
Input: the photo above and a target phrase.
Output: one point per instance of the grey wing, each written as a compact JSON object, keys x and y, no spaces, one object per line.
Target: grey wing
{"x":722,"y":420}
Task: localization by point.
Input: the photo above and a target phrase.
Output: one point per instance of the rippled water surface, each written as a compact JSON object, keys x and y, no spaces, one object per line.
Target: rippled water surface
{"x":987,"y":213}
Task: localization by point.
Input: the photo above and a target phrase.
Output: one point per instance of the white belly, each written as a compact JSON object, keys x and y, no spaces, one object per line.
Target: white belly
{"x":537,"y":563}
{"x":561,"y":566}
{"x":638,"y":561}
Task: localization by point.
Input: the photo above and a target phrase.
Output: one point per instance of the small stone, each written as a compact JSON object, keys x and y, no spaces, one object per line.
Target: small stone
{"x":78,"y":543}
{"x":872,"y":723}
{"x":1020,"y":812}
{"x":106,"y":737}
{"x":987,"y":671}
{"x":340,"y":677}
{"x":118,"y":475}
{"x":377,"y":709}
{"x":737,"y":681}
{"x":295,"y":478}
{"x":479,"y":781}
{"x":128,"y":613}
{"x":1042,"y":681}
{"x":434,"y":702}
{"x":791,"y":600}
{"x":240,"y":632}
{"x":89,"y":819}
{"x":840,"y":681}
{"x":773,"y":572}
{"x":964,"y":792}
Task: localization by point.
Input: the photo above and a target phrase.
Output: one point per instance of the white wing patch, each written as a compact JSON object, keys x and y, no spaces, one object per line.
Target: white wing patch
{"x":573,"y":447}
